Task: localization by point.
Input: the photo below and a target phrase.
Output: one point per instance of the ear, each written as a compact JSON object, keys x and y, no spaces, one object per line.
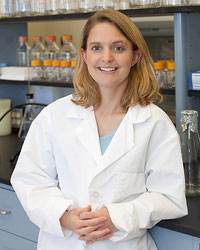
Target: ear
{"x":136,"y":56}
{"x":84,"y":57}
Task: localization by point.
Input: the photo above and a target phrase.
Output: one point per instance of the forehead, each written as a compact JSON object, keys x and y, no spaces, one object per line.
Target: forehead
{"x":102,"y":32}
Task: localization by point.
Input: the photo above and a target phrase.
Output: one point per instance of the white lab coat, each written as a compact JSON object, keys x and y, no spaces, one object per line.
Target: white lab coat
{"x":139,"y":178}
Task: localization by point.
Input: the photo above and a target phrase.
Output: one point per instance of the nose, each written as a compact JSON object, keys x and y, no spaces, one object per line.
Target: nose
{"x":107,"y":55}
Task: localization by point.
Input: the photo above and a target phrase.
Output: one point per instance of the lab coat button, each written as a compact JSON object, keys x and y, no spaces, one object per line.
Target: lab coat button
{"x":95,"y":194}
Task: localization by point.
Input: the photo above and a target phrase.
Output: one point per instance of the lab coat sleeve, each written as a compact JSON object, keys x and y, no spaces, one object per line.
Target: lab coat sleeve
{"x":35,"y":179}
{"x":165,"y":187}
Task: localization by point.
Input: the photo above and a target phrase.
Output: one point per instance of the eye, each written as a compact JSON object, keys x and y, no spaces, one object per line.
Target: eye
{"x":119,"y":48}
{"x":96,"y":48}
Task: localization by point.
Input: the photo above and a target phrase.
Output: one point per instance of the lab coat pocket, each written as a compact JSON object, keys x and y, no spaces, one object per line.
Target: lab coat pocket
{"x":129,"y":186}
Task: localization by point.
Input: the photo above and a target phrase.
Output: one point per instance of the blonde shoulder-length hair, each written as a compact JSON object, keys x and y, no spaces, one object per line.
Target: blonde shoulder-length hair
{"x":142,"y":87}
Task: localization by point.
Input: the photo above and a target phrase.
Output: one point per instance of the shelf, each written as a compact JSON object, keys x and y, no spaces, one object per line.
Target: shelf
{"x":193,"y":93}
{"x":135,"y":12}
{"x":36,"y":83}
{"x":163,"y":91}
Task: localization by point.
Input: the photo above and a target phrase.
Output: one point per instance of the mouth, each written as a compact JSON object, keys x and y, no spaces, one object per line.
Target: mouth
{"x":111,"y":69}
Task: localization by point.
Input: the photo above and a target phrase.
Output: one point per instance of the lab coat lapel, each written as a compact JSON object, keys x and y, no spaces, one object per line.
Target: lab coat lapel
{"x":123,"y":140}
{"x":87,"y":133}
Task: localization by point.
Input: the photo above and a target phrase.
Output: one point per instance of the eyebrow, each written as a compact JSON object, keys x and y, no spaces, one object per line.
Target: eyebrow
{"x":115,"y":42}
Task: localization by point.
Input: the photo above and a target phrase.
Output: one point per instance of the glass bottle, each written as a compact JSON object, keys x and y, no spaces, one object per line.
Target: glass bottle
{"x":67,"y":6}
{"x":68,"y":51}
{"x":160,"y":73}
{"x":7,"y":8}
{"x":85,"y":5}
{"x":190,"y":145}
{"x":52,"y":6}
{"x":171,"y":75}
{"x":23,"y":52}
{"x":38,"y":7}
{"x":73,"y":68}
{"x":48,"y":70}
{"x":103,"y":4}
{"x":56,"y":70}
{"x":37,"y":71}
{"x":66,"y":74}
{"x":37,"y":50}
{"x":121,"y":4}
{"x":52,"y":50}
{"x":28,"y":117}
{"x":24,"y":7}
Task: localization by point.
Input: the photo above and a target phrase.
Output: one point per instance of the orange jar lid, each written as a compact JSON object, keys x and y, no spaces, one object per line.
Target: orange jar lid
{"x":171,"y":65}
{"x":47,"y":62}
{"x":23,"y":38}
{"x":67,"y":38}
{"x":37,"y":38}
{"x":36,"y":63}
{"x":73,"y":63}
{"x":50,"y":38}
{"x":55,"y":63}
{"x":65,"y":63}
{"x":159,"y":65}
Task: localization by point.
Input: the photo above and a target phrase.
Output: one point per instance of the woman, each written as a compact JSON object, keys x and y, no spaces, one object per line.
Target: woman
{"x":102,"y":166}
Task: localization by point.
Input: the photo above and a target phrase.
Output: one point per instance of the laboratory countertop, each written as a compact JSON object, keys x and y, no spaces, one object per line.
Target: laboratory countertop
{"x":10,"y":145}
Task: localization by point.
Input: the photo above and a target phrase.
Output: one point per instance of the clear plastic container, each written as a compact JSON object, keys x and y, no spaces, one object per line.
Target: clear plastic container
{"x":145,"y":3}
{"x":23,"y":52}
{"x":37,"y":71}
{"x":73,"y":68}
{"x":56,"y":70}
{"x":85,"y":5}
{"x":68,"y":51}
{"x":160,"y":73}
{"x":52,"y":6}
{"x":48,"y":70}
{"x":103,"y":4}
{"x":38,"y":7}
{"x":121,"y":4}
{"x":24,"y":7}
{"x":37,"y":50}
{"x":52,"y":51}
{"x":172,"y":2}
{"x":190,"y":145}
{"x":7,"y":8}
{"x":67,"y":6}
{"x":171,"y":75}
{"x":66,"y":73}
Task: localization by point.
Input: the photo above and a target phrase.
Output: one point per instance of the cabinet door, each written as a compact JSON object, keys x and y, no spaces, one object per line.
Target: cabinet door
{"x":12,"y":242}
{"x":171,"y":240}
{"x":196,"y":243}
{"x":13,"y":218}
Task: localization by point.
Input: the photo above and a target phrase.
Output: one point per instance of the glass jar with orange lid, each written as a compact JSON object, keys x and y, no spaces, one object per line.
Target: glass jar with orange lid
{"x":52,"y":50}
{"x":160,"y":73}
{"x":37,"y":50}
{"x":66,"y":74}
{"x":56,"y":70}
{"x":48,"y":70}
{"x":171,"y":75}
{"x":37,"y":71}
{"x":68,"y":51}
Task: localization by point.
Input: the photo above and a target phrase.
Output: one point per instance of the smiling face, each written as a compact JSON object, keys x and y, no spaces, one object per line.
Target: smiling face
{"x":109,"y":56}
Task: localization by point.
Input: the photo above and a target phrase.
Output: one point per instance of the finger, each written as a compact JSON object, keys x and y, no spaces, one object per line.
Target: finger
{"x":107,"y":236}
{"x":86,"y":230}
{"x":83,"y":210}
{"x":95,"y":235}
{"x":92,"y":222}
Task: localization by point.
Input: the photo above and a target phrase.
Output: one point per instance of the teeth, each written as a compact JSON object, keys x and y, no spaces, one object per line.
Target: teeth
{"x":107,"y":69}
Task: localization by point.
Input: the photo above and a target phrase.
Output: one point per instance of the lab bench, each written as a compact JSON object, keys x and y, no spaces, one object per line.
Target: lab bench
{"x":17,"y":230}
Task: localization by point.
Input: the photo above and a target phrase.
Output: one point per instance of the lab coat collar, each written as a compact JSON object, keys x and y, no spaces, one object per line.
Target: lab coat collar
{"x":123,"y":140}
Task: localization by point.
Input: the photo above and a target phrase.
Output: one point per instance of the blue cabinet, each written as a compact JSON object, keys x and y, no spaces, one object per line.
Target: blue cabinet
{"x":15,"y":227}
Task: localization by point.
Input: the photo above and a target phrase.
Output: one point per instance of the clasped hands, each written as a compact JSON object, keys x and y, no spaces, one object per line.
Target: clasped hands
{"x":90,"y":226}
